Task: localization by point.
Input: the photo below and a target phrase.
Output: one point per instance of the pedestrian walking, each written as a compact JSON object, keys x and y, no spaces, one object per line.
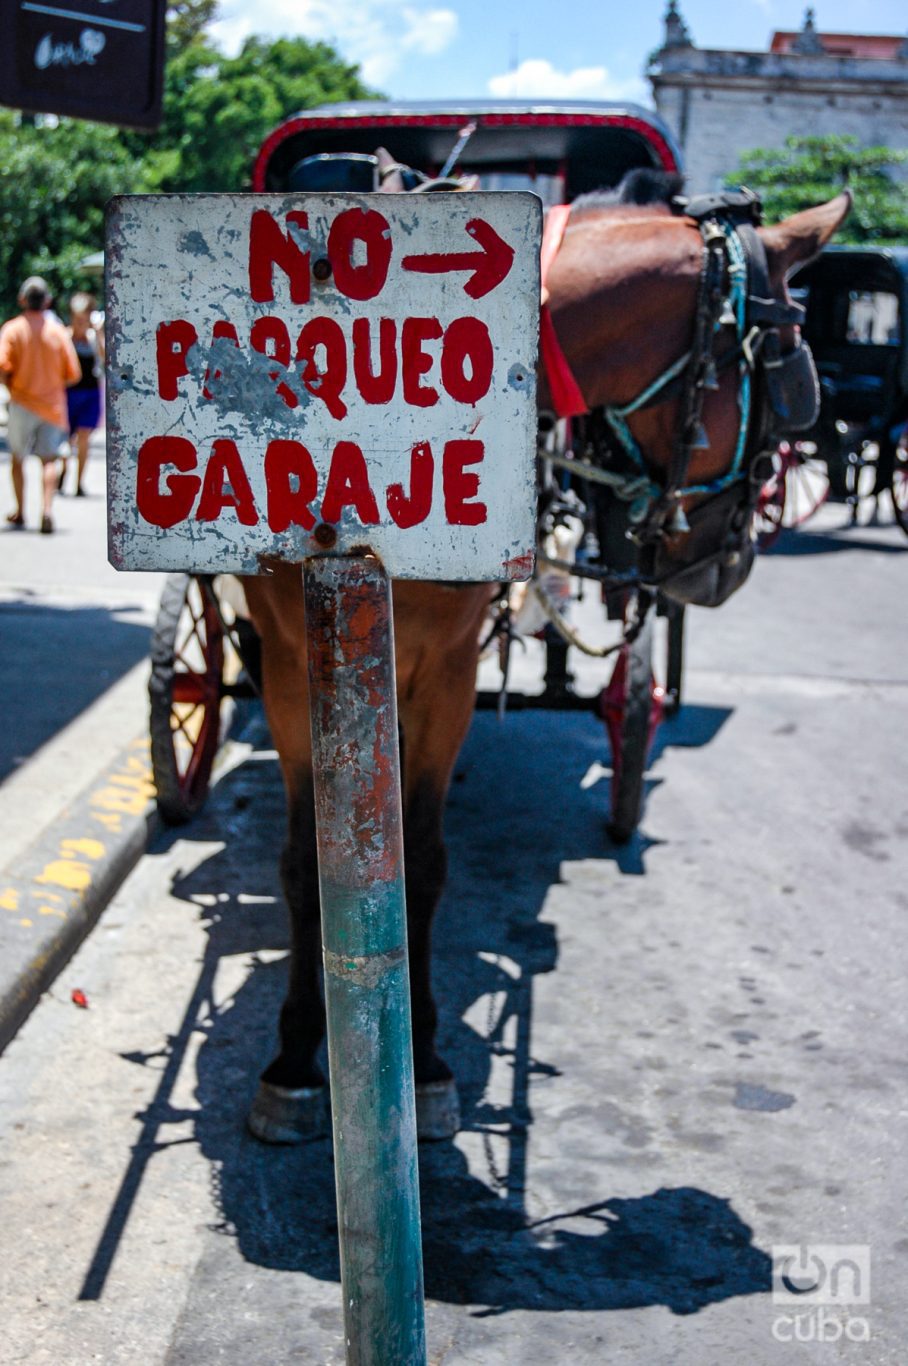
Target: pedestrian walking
{"x":37,"y":362}
{"x":83,"y":399}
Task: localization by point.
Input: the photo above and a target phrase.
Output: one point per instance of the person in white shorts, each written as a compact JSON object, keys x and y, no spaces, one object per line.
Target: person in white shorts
{"x":37,"y":363}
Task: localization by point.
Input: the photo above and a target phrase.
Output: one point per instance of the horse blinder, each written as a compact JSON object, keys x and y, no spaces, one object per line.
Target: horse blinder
{"x":792,"y":385}
{"x":716,"y":555}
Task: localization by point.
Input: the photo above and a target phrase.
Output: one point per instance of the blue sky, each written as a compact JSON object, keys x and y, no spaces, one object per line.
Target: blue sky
{"x":526,"y":49}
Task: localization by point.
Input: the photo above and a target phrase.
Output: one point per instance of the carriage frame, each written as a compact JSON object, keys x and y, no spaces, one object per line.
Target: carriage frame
{"x":856,"y":323}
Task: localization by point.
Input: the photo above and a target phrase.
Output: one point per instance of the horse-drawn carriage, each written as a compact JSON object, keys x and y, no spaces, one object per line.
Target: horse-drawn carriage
{"x":560,"y":152}
{"x":671,"y":363}
{"x":856,"y":301}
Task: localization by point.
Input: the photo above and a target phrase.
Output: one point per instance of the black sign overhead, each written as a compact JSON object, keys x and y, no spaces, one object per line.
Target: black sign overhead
{"x":92,"y":59}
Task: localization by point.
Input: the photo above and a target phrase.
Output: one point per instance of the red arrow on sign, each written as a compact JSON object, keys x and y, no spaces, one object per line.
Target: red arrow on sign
{"x":490,"y":265}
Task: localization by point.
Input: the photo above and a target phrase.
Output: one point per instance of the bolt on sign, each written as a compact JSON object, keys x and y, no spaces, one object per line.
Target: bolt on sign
{"x":287,"y":373}
{"x":92,"y":59}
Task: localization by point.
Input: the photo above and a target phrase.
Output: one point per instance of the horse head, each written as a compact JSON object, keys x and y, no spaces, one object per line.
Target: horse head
{"x":677,"y":324}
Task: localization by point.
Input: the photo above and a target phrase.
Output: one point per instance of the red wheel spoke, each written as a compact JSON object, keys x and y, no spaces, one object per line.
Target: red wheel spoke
{"x":186,"y":696}
{"x":806,"y":485}
{"x":191,"y":687}
{"x":181,"y":725}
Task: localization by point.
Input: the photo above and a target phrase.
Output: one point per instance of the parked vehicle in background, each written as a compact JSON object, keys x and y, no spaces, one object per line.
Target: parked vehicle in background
{"x":857,"y":318}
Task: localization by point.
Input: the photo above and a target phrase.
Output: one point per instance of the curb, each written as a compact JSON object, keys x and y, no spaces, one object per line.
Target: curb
{"x":54,"y":893}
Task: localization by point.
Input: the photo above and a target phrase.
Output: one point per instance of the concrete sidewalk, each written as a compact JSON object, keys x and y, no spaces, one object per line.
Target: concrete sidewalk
{"x":67,"y":844}
{"x":76,"y":796}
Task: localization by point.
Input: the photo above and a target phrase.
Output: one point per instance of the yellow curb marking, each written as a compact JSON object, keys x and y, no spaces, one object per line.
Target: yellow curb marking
{"x":69,"y":872}
{"x":92,"y":849}
{"x":127,"y":793}
{"x":128,"y":803}
{"x":109,"y":819}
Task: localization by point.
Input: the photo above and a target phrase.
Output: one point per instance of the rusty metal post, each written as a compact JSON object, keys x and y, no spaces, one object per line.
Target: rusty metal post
{"x":353,"y":712}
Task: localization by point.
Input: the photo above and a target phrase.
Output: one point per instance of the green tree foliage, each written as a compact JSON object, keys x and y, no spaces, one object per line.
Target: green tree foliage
{"x":187,"y":20}
{"x":56,"y":175}
{"x":218,"y":110}
{"x":809,"y":170}
{"x":54,"y":183}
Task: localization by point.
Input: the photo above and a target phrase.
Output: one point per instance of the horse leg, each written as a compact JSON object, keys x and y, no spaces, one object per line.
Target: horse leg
{"x":437,"y":1104}
{"x":290,"y":1104}
{"x":436,"y":699}
{"x":437,"y":631}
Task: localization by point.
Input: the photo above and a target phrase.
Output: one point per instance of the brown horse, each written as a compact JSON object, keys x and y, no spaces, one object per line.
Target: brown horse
{"x":625,"y":294}
{"x":622,"y":294}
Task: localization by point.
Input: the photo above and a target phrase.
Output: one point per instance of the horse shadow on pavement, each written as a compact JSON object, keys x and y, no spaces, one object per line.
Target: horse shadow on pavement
{"x":513,"y":816}
{"x":810,"y":541}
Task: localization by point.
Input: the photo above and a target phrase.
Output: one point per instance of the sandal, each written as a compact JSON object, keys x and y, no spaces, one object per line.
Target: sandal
{"x":47,"y":525}
{"x":15,"y":520}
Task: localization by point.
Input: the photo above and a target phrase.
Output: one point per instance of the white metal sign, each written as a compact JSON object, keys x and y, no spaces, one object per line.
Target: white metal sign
{"x":294,"y":373}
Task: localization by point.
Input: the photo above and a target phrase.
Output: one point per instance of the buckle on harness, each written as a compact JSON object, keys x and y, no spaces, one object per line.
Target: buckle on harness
{"x":752,"y":345}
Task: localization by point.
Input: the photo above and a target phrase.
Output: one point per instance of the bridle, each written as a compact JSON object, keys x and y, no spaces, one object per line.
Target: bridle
{"x":732,"y":250}
{"x":776,"y":391}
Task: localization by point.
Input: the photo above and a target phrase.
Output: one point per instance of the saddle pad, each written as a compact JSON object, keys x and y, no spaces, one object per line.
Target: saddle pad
{"x":567,"y":399}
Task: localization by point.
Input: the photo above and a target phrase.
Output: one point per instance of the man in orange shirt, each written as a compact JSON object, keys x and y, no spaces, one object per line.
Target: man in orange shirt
{"x":37,"y":363}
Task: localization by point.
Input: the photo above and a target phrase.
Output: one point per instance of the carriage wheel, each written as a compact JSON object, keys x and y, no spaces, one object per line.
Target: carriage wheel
{"x":630,"y":706}
{"x":187,"y":664}
{"x":900,"y":487}
{"x":806,"y":487}
{"x":771,"y":501}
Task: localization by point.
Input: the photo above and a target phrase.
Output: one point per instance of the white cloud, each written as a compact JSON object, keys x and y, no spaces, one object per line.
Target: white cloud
{"x":230,"y":34}
{"x":429,"y":31}
{"x":536,"y":78}
{"x":374,"y":34}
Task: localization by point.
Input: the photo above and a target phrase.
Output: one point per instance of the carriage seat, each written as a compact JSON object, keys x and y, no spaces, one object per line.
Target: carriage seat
{"x":856,"y":382}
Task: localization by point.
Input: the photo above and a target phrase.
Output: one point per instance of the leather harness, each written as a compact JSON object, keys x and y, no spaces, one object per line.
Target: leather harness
{"x":733,"y":291}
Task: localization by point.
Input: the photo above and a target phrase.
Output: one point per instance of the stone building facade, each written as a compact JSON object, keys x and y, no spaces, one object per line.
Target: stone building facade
{"x":721,"y":103}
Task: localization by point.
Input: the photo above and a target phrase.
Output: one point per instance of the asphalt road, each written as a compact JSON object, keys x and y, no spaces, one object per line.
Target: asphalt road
{"x":674,"y":1058}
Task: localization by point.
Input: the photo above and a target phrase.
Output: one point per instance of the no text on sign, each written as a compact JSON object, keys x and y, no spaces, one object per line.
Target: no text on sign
{"x":278,"y":364}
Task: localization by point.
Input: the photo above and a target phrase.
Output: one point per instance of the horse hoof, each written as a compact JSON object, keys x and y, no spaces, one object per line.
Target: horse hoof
{"x":282,"y":1115}
{"x":437,"y":1110}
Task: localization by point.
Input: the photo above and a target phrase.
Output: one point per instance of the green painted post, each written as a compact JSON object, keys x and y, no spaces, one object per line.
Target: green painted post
{"x":353,"y":711}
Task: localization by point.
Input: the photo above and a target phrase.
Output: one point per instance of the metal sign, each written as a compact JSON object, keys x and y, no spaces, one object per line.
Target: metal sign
{"x":92,"y":59}
{"x":294,"y":374}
